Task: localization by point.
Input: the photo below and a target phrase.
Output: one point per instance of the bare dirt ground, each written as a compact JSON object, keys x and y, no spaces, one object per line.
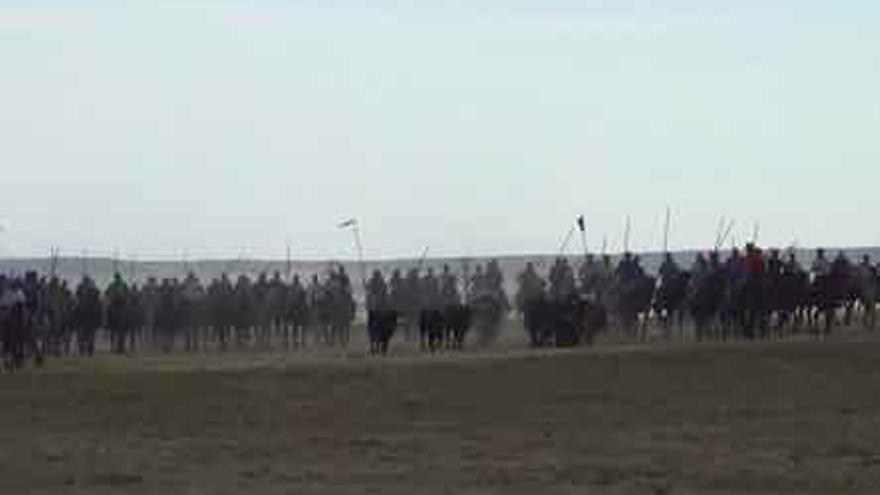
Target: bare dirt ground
{"x":667,"y":419}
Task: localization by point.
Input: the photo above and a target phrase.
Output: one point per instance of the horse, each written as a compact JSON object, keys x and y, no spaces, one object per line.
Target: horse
{"x":536,"y":312}
{"x":670,"y":302}
{"x":296,"y":316}
{"x":487,"y":316}
{"x":118,"y":320}
{"x":87,"y":318}
{"x":17,"y":340}
{"x":706,"y":299}
{"x":633,"y":299}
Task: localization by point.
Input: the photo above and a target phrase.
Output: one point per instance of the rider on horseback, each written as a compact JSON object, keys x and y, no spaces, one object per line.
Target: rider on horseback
{"x":669,"y":269}
{"x":562,"y":284}
{"x":377,"y":292}
{"x":590,"y":276}
{"x":627,"y":269}
{"x":820,"y":267}
{"x":449,"y":288}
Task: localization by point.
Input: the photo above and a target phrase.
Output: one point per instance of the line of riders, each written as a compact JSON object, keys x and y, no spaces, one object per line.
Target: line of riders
{"x":747,"y":296}
{"x":42,"y":316}
{"x":750,"y":295}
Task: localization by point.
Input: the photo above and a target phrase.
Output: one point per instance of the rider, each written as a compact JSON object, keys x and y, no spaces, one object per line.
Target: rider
{"x":531,"y":286}
{"x":627,"y":269}
{"x":736,"y":267}
{"x":866,"y":270}
{"x":754,"y":262}
{"x":377,"y":292}
{"x":841,"y":266}
{"x":700,"y":269}
{"x":821,"y":267}
{"x":791,"y":265}
{"x":449,"y":288}
{"x":430,"y":291}
{"x":494,"y":277}
{"x":637,"y":266}
{"x":561,"y":279}
{"x":479,"y":283}
{"x":669,"y":269}
{"x":397,"y":291}
{"x":774,"y":264}
{"x":590,"y":274}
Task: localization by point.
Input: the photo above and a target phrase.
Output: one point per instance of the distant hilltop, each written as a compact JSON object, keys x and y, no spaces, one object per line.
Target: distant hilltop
{"x":101,"y":269}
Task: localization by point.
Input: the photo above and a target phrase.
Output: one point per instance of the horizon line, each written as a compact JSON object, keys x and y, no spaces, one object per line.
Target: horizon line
{"x":355,"y":260}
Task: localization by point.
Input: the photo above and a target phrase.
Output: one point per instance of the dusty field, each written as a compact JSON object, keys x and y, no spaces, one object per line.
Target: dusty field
{"x":766,"y":418}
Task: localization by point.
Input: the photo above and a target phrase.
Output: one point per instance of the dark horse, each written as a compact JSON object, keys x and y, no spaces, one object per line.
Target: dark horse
{"x":670,"y":301}
{"x":828,"y":293}
{"x":707,"y":296}
{"x":17,"y":336}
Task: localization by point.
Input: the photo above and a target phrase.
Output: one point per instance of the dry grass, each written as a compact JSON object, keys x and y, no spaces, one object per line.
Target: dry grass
{"x":761,"y":418}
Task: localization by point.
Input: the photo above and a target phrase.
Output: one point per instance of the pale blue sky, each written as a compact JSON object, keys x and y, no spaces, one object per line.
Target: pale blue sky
{"x":475,"y":127}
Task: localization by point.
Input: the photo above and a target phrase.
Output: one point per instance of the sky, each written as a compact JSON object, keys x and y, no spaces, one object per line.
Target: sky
{"x":481,"y":127}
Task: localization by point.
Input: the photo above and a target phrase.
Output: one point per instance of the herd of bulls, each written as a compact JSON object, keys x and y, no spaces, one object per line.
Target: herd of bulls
{"x":746,"y":296}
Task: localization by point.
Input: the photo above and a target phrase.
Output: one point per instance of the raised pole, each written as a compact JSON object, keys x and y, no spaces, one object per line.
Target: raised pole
{"x":287,"y":275}
{"x":582,"y":226}
{"x":360,"y":251}
{"x":565,"y":241}
{"x":666,"y":231}
{"x":54,"y":262}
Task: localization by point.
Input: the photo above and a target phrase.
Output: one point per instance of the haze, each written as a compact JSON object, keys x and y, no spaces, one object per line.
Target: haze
{"x":474,"y":128}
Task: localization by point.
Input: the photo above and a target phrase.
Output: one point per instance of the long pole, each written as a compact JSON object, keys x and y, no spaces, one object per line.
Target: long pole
{"x":666,"y":231}
{"x":466,"y":279}
{"x":2,"y":230}
{"x":185,"y":254}
{"x":565,"y":242}
{"x":626,"y":234}
{"x":725,"y":235}
{"x":422,"y":258}
{"x":582,"y":225}
{"x":287,"y":264}
{"x":132,"y":269}
{"x":357,"y":242}
{"x":54,"y":253}
{"x":719,"y":232}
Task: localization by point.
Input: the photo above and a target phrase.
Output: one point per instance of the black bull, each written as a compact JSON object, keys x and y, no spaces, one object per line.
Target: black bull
{"x":563,"y":323}
{"x":448,"y":327}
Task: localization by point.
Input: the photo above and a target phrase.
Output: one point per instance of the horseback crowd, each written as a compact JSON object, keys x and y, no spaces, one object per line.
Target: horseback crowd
{"x":42,"y":317}
{"x":748,"y":295}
